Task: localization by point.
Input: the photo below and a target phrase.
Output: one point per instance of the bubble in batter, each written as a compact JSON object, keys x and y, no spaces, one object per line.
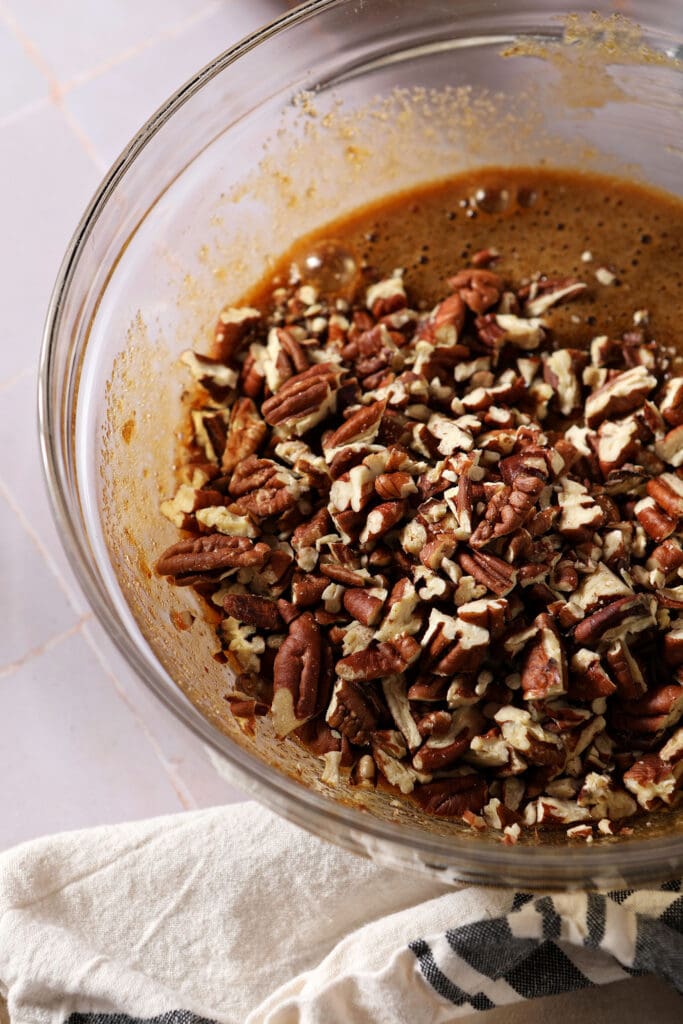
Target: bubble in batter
{"x":330,"y":267}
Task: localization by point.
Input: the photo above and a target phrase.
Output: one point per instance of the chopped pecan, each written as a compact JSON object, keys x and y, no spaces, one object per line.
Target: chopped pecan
{"x":246,"y":433}
{"x":263,"y":488}
{"x":615,"y":620}
{"x":361,"y":426}
{"x":439,"y":752}
{"x":478,"y":289}
{"x":622,"y":394}
{"x":626,"y":672}
{"x":364,"y":606}
{"x":381,"y":519}
{"x":667,"y":491}
{"x":544,"y":293}
{"x":385,"y":659}
{"x":670,"y":401}
{"x":233,"y":327}
{"x":656,"y":523}
{"x":589,"y":681}
{"x":651,"y":780}
{"x":354,"y":710}
{"x":302,"y":675}
{"x":544,"y":673}
{"x":508,"y":509}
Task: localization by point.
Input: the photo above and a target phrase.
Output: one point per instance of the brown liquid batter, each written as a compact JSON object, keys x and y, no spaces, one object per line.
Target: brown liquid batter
{"x":539,"y":221}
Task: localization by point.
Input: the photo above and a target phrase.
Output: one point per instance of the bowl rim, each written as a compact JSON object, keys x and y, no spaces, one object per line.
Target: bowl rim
{"x":401,"y":845}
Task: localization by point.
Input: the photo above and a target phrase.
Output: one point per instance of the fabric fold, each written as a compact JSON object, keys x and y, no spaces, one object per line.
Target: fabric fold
{"x":234,"y":916}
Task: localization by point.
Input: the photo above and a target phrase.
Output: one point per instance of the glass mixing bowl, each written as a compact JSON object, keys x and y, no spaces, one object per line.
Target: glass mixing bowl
{"x":335,"y":104}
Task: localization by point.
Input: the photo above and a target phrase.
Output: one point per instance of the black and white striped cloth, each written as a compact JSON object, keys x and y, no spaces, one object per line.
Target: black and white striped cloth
{"x":234,"y":916}
{"x":546,"y":945}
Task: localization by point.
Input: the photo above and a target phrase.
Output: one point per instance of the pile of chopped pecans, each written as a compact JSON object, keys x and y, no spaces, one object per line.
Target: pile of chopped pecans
{"x":446,"y":548}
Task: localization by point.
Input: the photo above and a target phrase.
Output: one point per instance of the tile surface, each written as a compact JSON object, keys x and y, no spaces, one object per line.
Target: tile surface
{"x":83,"y":740}
{"x":115,"y":104}
{"x":22,"y":83}
{"x":46,"y":180}
{"x":78,"y":755}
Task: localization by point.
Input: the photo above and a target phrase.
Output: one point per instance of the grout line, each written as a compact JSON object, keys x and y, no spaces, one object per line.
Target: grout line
{"x":55,"y":91}
{"x":31,"y":50}
{"x":185,"y":797}
{"x":36,"y":652}
{"x":71,"y":594}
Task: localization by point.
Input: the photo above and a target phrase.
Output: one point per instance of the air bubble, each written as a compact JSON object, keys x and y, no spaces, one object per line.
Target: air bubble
{"x":492,"y":200}
{"x":330,"y":267}
{"x":526,"y":197}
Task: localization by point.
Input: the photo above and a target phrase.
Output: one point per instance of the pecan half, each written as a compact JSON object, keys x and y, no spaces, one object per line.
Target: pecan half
{"x":495,"y":574}
{"x":302,"y":674}
{"x":544,"y":673}
{"x":210,"y":552}
{"x":304,"y":400}
{"x":256,"y":611}
{"x":246,"y":433}
{"x":452,"y":798}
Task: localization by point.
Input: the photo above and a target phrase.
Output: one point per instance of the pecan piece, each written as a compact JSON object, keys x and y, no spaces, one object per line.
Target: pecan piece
{"x":233,"y":327}
{"x":656,"y":523}
{"x":364,"y":606}
{"x":588,"y":679}
{"x":385,"y":659}
{"x":246,"y":433}
{"x":395,"y":486}
{"x":495,"y":574}
{"x":210,"y":552}
{"x":381,"y":520}
{"x":508,"y":509}
{"x":478,"y":289}
{"x":451,"y":798}
{"x":256,"y":611}
{"x":263,"y":488}
{"x":622,"y":394}
{"x":615,"y":620}
{"x":541,"y":295}
{"x":355,"y":710}
{"x":304,"y":400}
{"x":667,"y":491}
{"x":671,"y":401}
{"x":361,"y":426}
{"x":544,"y":673}
{"x":626,"y":671}
{"x":302,"y":674}
{"x":651,"y":780}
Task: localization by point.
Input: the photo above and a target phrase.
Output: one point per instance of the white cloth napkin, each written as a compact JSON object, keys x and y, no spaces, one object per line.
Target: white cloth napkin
{"x":234,"y":915}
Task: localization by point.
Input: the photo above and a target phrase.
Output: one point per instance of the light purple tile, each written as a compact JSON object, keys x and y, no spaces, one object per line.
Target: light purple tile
{"x":115,"y":104}
{"x":21,"y":81}
{"x":72,"y":753}
{"x":33,"y":607}
{"x":76,"y":36}
{"x":21,"y":474}
{"x":184,"y":754}
{"x":46,"y":179}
